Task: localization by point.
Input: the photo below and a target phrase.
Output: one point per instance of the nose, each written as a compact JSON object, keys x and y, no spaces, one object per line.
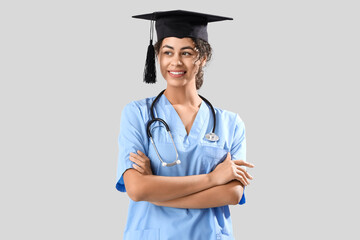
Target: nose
{"x":176,"y":60}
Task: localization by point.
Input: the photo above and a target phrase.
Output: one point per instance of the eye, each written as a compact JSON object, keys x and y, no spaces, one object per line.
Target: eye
{"x":167,"y":53}
{"x":187,"y":53}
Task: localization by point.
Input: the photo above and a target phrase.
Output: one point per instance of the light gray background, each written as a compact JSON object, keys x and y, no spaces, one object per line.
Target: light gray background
{"x":289,"y":68}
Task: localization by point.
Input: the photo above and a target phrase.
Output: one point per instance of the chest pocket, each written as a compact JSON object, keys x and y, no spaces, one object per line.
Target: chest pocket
{"x":212,"y":155}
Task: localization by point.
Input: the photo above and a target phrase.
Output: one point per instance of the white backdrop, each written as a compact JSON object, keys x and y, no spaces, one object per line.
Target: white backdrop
{"x":289,"y":68}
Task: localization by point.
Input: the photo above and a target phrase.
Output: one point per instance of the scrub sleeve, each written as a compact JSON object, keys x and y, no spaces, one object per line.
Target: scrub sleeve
{"x":131,"y":139}
{"x":238,"y":148}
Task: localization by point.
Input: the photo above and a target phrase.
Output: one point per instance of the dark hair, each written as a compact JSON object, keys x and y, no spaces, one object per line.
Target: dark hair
{"x":204,"y":50}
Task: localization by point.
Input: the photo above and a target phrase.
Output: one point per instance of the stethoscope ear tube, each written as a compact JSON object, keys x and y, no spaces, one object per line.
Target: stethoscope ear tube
{"x":214,"y":116}
{"x":153,"y":103}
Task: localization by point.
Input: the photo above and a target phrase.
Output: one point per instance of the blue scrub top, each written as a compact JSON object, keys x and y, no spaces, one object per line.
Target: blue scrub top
{"x":198,"y":156}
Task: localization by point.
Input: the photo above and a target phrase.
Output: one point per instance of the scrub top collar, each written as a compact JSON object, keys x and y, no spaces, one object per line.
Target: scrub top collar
{"x":176,"y":125}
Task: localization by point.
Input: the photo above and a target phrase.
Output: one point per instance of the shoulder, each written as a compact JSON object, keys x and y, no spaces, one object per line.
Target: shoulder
{"x":228,"y":116}
{"x":138,"y":108}
{"x":231,"y":125}
{"x":140,"y":105}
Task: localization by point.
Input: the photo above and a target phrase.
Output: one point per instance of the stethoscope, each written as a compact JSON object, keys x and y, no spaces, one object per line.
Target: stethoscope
{"x":209,"y":136}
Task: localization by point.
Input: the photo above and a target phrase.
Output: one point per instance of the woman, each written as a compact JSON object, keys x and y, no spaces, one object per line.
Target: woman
{"x":180,"y":184}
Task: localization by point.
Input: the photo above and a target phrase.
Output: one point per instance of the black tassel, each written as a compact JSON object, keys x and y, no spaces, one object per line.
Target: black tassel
{"x":150,"y":68}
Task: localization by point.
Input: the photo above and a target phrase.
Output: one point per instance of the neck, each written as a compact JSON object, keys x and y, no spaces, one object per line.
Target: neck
{"x":182,"y":95}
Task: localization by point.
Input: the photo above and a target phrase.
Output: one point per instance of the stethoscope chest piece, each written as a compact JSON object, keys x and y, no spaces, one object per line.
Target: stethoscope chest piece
{"x":212,"y":137}
{"x":164,"y":164}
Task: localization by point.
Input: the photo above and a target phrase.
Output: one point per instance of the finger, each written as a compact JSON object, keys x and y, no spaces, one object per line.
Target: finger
{"x":242,"y":174}
{"x":137,"y":161}
{"x":142,"y":155}
{"x":245,"y":172}
{"x":241,"y":179}
{"x":243,"y":163}
{"x":139,"y":169}
{"x":134,"y":155}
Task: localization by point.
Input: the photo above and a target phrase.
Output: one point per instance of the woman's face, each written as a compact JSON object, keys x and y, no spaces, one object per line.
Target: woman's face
{"x":178,"y":61}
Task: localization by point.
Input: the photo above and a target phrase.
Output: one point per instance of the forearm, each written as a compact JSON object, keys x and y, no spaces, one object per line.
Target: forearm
{"x":227,"y":194}
{"x":154,"y":188}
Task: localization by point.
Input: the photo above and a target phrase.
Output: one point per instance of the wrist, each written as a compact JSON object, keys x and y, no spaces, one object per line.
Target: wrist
{"x":211,"y":179}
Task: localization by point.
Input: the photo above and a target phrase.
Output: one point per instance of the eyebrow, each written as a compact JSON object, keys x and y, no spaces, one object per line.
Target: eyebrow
{"x":183,"y":48}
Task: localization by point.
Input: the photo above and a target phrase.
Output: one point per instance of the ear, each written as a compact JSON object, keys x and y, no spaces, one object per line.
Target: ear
{"x":203,"y":61}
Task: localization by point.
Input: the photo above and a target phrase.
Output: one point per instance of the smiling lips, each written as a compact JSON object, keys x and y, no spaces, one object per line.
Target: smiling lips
{"x":176,"y":74}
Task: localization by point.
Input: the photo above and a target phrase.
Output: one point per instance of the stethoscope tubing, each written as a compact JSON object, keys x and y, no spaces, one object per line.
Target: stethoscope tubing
{"x":153,"y":119}
{"x":210,"y":136}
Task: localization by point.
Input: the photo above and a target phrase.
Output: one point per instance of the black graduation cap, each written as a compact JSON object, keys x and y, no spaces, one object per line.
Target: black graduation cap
{"x":177,"y":23}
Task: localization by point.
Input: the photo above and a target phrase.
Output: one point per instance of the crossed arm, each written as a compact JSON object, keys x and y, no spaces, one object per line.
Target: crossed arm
{"x":196,"y":191}
{"x":227,"y":194}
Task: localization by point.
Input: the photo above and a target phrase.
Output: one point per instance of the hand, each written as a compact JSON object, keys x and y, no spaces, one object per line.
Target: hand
{"x":229,"y":170}
{"x":142,"y":165}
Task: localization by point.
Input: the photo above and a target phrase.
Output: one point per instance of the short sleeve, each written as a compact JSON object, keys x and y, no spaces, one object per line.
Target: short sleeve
{"x":132,"y":137}
{"x":238,"y":147}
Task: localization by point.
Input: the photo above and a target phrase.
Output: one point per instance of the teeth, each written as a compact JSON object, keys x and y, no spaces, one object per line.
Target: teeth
{"x":177,"y":73}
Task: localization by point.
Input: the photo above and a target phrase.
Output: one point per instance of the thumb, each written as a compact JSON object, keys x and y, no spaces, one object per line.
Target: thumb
{"x":228,"y":156}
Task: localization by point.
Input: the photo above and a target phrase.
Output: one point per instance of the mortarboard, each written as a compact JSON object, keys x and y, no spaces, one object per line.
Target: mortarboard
{"x":177,"y":23}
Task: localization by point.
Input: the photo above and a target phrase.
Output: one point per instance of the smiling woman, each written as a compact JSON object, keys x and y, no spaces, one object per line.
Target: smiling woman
{"x":180,"y":178}
{"x":198,"y":48}
{"x":179,"y":62}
